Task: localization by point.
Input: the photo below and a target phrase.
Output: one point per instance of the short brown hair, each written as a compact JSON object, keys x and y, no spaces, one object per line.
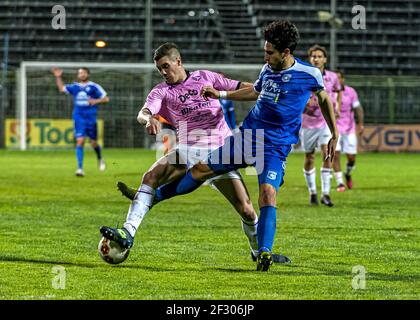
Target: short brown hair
{"x":168,"y":49}
{"x":317,"y":47}
{"x":86,"y":69}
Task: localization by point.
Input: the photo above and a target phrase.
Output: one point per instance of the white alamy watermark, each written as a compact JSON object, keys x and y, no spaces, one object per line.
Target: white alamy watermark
{"x":245,"y":148}
{"x":359,"y":279}
{"x":58,"y":281}
{"x":58,"y":22}
{"x":359,"y":20}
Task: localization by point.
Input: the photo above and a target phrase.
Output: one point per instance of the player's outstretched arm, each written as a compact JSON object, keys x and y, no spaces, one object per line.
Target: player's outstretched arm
{"x":246,"y":93}
{"x":58,"y":80}
{"x":327,"y":109}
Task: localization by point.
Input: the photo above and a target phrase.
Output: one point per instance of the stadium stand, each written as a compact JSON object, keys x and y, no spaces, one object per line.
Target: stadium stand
{"x":214,"y":30}
{"x":389,"y":45}
{"x":240,"y":27}
{"x":120,"y":24}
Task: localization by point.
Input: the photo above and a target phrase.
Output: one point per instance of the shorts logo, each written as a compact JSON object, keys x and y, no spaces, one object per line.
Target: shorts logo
{"x":196,"y":78}
{"x":272,"y":175}
{"x":286,"y":77}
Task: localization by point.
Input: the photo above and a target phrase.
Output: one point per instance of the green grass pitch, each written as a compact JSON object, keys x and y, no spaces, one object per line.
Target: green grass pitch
{"x":192,"y":247}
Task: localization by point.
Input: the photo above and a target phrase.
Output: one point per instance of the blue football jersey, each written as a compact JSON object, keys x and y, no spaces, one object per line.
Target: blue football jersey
{"x":282,"y":100}
{"x":82,"y":93}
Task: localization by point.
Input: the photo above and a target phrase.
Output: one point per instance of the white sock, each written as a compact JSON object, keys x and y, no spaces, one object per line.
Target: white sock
{"x":139,"y":207}
{"x":310,"y":177}
{"x":326,"y":180}
{"x":250,"y":230}
{"x":339,"y":177}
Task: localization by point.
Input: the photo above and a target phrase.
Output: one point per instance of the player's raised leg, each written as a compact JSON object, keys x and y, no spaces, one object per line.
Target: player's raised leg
{"x":162,"y":170}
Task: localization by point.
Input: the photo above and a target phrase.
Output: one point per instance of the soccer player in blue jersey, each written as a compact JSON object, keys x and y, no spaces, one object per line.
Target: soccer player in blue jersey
{"x":87,"y":95}
{"x":282,"y":91}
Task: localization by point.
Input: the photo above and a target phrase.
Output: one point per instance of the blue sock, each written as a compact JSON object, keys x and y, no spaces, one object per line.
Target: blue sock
{"x":167,"y":190}
{"x":266,"y":228}
{"x":98,"y":151}
{"x":79,"y":156}
{"x":184,"y":185}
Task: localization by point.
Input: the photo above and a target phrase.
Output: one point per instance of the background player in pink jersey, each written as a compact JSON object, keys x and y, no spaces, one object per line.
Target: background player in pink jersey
{"x":347,"y":141}
{"x":201,"y":127}
{"x":315,"y":131}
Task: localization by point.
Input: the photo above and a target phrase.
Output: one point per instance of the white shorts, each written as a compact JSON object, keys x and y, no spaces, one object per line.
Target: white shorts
{"x":347,"y":143}
{"x":191,"y":156}
{"x":313,"y":138}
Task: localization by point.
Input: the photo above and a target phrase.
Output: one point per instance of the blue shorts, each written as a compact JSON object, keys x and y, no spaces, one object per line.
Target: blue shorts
{"x":240,"y":151}
{"x":85,"y":127}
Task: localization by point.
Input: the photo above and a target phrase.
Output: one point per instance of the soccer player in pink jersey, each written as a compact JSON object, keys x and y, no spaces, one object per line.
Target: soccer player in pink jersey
{"x":347,"y":141}
{"x":201,"y":127}
{"x":315,"y":132}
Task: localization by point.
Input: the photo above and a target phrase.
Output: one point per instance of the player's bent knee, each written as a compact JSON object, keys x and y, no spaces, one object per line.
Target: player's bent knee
{"x":267,"y":196}
{"x":80,"y":142}
{"x":151,"y":178}
{"x":201,"y":171}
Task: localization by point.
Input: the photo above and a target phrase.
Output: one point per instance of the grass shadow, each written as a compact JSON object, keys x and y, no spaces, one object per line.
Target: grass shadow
{"x":87,"y":264}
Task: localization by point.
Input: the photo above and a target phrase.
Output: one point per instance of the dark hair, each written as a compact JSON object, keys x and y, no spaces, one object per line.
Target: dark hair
{"x":317,"y":47}
{"x":167,"y":49}
{"x":282,"y":35}
{"x":340,"y":72}
{"x":86,"y":69}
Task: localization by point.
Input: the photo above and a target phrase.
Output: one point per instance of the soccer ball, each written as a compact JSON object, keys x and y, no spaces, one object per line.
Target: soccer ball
{"x":111,"y":252}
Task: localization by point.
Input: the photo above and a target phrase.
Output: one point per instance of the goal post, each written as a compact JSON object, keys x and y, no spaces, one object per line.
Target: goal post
{"x":127,"y":85}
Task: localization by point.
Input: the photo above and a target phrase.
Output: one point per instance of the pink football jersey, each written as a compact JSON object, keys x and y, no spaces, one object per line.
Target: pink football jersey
{"x":198,"y":121}
{"x":349,"y":101}
{"x":312,"y":118}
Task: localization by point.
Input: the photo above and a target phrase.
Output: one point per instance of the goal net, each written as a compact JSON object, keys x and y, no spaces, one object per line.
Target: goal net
{"x":44,"y":116}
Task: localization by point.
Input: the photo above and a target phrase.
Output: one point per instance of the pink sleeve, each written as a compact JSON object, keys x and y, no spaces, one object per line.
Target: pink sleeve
{"x":222,"y":83}
{"x":154,"y":101}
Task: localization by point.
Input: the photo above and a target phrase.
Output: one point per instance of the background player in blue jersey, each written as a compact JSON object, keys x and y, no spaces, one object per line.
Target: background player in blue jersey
{"x":86,"y":97}
{"x":229,"y":112}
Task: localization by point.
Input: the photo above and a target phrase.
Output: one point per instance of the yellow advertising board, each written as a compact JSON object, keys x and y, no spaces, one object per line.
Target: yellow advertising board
{"x":391,"y":138}
{"x":45,"y":133}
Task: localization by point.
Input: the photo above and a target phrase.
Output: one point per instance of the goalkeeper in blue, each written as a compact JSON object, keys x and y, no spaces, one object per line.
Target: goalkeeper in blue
{"x":269,"y":130}
{"x":87,"y":95}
